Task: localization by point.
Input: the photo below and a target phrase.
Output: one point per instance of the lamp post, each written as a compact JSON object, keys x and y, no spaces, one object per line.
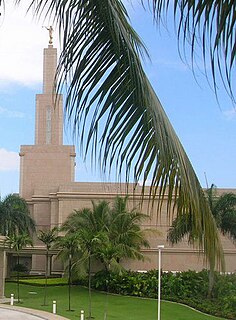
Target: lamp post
{"x":160,"y":247}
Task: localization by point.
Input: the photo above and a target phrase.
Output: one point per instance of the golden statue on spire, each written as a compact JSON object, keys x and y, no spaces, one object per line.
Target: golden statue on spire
{"x":50,"y":30}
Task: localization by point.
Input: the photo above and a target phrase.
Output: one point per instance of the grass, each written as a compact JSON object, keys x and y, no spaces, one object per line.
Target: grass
{"x":118,"y":307}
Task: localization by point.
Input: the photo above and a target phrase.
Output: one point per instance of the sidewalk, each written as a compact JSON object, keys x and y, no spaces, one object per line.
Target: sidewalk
{"x":20,"y":313}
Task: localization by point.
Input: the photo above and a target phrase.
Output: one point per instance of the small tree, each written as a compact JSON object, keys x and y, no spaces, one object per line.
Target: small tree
{"x":15,"y":218}
{"x":223,"y":210}
{"x":48,"y":238}
{"x":106,"y":234}
{"x":69,"y":250}
{"x":17,"y":243}
{"x":89,"y":227}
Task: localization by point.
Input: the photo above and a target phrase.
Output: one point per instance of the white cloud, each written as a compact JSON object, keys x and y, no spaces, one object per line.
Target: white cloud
{"x":22,"y":41}
{"x":11,"y":114}
{"x":9,"y":160}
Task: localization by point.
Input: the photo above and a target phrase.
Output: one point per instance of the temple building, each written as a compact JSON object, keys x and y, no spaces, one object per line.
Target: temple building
{"x":47,"y":171}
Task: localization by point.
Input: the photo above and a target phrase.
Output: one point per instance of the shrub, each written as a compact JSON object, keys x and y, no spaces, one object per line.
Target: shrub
{"x":40,"y":282}
{"x":188,"y":287}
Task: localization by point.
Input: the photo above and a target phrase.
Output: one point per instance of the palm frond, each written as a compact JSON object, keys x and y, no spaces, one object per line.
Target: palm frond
{"x":115,"y":110}
{"x":225,"y":211}
{"x":48,"y":237}
{"x":181,"y":227}
{"x":210,"y":25}
{"x":15,"y":217}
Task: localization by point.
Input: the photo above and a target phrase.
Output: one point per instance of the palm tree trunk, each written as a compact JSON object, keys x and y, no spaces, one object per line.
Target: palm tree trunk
{"x":46,"y":281}
{"x":211,"y":278}
{"x":107,"y":291}
{"x":18,"y":279}
{"x":69,"y":283}
{"x":90,"y":297}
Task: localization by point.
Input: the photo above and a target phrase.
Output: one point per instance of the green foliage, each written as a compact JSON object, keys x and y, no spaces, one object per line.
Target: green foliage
{"x":206,"y":25}
{"x":48,"y":237}
{"x":17,"y":242}
{"x":223,"y":210}
{"x":118,"y":307}
{"x":41,"y":282}
{"x":107,"y":233}
{"x":115,"y":112}
{"x":188,"y":287}
{"x":15,"y":218}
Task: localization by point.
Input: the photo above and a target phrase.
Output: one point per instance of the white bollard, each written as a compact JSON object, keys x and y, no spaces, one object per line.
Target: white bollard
{"x":82,"y":315}
{"x":54,"y":307}
{"x":12,"y":299}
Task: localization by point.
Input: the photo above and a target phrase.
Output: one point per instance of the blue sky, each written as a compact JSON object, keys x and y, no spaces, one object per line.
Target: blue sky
{"x":205,"y":128}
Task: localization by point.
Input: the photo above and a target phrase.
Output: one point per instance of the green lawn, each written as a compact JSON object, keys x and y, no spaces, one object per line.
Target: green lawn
{"x":118,"y":307}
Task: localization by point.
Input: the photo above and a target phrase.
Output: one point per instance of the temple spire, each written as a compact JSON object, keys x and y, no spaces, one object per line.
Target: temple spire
{"x":49,"y":117}
{"x":49,"y":69}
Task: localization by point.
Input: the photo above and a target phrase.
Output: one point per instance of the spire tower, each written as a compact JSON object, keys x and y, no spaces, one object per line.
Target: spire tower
{"x":48,"y":163}
{"x":49,"y":117}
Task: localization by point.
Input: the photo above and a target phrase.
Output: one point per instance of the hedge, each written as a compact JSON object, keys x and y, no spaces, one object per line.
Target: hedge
{"x":188,"y":287}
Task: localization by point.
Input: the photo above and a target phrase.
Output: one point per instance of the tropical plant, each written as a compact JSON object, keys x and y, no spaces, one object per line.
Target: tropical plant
{"x":17,"y":243}
{"x":48,"y":237}
{"x":69,"y":252}
{"x":125,"y":239}
{"x":90,"y":242}
{"x":86,"y":224}
{"x":113,"y":106}
{"x":15,"y":218}
{"x":223,"y":210}
{"x":120,"y":226}
{"x":206,"y":25}
{"x":186,"y":287}
{"x":125,"y":232}
{"x":106,"y":234}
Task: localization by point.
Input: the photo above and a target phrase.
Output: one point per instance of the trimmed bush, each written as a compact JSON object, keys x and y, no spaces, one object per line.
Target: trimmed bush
{"x":188,"y":287}
{"x":40,"y":282}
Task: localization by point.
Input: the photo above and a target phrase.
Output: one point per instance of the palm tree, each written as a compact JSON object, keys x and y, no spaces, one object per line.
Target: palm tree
{"x":87,"y":226}
{"x":17,"y":243}
{"x":90,"y":242}
{"x":113,"y":107}
{"x":125,"y":238}
{"x":120,"y":227}
{"x":15,"y":218}
{"x":48,"y":237}
{"x":125,"y":232}
{"x":223,"y":210}
{"x":69,"y":250}
{"x":106,"y":234}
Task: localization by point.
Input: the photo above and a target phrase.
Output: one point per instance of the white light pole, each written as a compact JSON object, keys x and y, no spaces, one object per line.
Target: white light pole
{"x":160,"y":247}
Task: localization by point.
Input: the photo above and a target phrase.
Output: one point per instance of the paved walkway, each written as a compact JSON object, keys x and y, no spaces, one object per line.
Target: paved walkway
{"x":19,"y":313}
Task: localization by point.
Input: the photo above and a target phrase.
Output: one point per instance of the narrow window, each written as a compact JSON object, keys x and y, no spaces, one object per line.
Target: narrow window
{"x":48,"y":125}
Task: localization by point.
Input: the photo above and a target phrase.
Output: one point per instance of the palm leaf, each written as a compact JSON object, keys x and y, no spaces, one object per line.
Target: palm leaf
{"x":115,"y":110}
{"x":15,"y":217}
{"x":210,"y":25}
